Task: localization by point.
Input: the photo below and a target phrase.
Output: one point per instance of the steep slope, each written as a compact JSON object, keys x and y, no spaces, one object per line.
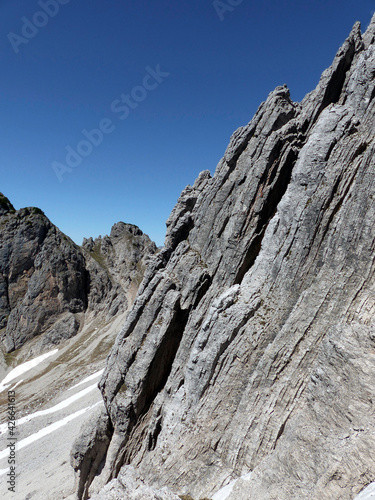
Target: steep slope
{"x":67,"y":302}
{"x":249,"y":351}
{"x":43,"y":279}
{"x":47,"y":282}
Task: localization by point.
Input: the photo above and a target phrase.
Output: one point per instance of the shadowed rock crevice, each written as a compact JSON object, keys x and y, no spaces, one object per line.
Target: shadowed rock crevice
{"x":89,"y":452}
{"x":153,"y":383}
{"x":276,"y":192}
{"x":334,"y":88}
{"x":161,"y":365}
{"x":334,"y":80}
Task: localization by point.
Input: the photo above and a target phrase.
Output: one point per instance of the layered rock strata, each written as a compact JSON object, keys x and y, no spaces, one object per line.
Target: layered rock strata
{"x":250,"y":348}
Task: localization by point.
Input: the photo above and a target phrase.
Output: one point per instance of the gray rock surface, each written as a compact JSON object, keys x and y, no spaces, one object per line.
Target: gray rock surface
{"x":43,"y":276}
{"x":130,"y":485}
{"x":5,"y":205}
{"x":250,"y":345}
{"x":95,"y":437}
{"x":47,"y":282}
{"x":123,"y":255}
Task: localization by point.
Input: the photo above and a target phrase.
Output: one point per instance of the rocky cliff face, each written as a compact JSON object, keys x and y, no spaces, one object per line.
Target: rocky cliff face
{"x":47,"y":282}
{"x":249,"y":353}
{"x":124,"y":255}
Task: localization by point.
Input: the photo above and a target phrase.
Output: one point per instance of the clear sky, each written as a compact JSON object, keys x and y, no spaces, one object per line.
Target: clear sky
{"x":165,"y":82}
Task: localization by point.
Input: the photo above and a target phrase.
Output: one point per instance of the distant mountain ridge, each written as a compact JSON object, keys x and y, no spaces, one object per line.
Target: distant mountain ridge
{"x":61,"y":307}
{"x":48,"y":283}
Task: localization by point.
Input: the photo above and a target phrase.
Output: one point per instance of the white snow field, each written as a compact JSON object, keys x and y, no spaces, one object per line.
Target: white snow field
{"x":23,"y":368}
{"x":60,"y":406}
{"x":88,"y":379}
{"x":367,"y":494}
{"x":44,"y":440}
{"x":44,"y":437}
{"x":46,"y":430}
{"x":224,"y":492}
{"x":55,"y":394}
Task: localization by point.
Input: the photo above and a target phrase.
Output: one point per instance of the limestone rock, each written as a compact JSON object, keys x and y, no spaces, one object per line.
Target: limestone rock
{"x":131,"y":486}
{"x":95,"y":437}
{"x":5,"y":205}
{"x":250,"y":345}
{"x":124,"y":255}
{"x":47,"y":282}
{"x":43,"y":276}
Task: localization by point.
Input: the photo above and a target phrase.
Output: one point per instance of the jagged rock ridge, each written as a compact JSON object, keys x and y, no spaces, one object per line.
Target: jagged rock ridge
{"x":250,"y":345}
{"x":47,"y":282}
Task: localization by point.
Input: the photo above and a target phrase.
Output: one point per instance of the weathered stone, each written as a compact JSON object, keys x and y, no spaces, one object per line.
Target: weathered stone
{"x":249,"y":347}
{"x":124,"y":255}
{"x":47,"y":281}
{"x":43,"y":276}
{"x":5,"y":205}
{"x":130,"y":485}
{"x":89,"y":450}
{"x":63,"y":329}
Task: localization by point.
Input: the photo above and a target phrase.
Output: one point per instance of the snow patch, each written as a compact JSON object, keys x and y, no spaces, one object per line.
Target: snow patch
{"x":367,"y":494}
{"x":224,"y":493}
{"x":58,"y":407}
{"x":15,"y":385}
{"x":23,"y":368}
{"x":47,"y":430}
{"x":88,"y":379}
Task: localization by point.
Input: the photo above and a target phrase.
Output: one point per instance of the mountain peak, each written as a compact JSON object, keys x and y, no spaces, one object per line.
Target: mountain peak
{"x":242,"y":356}
{"x":5,"y":205}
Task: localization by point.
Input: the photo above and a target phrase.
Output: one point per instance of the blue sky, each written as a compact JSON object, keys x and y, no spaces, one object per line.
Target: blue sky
{"x":81,"y":65}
